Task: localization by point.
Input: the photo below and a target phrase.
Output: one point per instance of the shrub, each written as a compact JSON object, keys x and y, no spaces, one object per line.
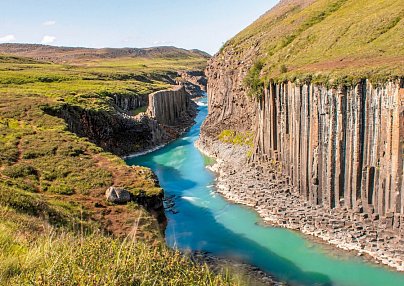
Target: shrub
{"x":20,"y":170}
{"x":283,"y":69}
{"x":62,"y":189}
{"x":253,"y":81}
{"x":8,"y":154}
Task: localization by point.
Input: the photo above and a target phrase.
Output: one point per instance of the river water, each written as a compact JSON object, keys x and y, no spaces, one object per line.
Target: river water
{"x":202,"y":220}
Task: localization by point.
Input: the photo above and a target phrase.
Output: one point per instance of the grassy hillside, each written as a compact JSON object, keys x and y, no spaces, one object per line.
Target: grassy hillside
{"x":326,"y":39}
{"x":77,"y":54}
{"x":55,"y":226}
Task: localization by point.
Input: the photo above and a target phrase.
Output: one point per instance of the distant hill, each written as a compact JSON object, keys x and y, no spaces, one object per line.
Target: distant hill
{"x":74,"y":54}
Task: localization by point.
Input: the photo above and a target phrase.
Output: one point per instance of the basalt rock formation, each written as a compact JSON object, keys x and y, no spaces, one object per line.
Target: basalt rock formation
{"x":336,"y":141}
{"x":116,"y":132}
{"x":168,"y":107}
{"x":340,"y":147}
{"x":130,"y":103}
{"x":195,"y":82}
{"x":169,"y":113}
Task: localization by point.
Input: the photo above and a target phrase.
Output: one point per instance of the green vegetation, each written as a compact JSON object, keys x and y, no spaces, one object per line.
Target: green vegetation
{"x":326,"y":41}
{"x":90,"y":85}
{"x":139,"y":110}
{"x":33,"y":253}
{"x":253,"y":80}
{"x":237,"y":138}
{"x":55,"y":226}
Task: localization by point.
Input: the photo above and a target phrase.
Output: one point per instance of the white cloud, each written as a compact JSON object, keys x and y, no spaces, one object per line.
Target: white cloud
{"x":7,"y":38}
{"x":49,"y":23}
{"x":48,"y":40}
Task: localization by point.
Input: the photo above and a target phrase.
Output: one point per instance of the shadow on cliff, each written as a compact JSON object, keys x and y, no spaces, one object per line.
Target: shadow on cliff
{"x":200,"y":223}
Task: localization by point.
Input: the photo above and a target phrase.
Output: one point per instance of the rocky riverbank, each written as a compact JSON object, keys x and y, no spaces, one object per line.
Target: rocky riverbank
{"x":249,"y":274}
{"x":263,"y":187}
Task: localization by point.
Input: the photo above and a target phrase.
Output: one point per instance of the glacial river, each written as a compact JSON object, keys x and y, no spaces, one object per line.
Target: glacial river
{"x":202,"y":220}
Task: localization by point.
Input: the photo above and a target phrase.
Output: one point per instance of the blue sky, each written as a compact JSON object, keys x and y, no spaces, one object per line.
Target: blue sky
{"x":203,"y":24}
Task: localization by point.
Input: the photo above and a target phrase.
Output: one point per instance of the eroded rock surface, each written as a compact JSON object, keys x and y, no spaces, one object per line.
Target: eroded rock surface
{"x":117,"y":195}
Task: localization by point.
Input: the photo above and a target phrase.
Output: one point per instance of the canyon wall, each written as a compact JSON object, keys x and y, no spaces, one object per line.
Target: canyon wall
{"x":341,"y":148}
{"x":170,"y":112}
{"x":228,"y":105}
{"x":338,"y":152}
{"x":115,"y":132}
{"x":130,"y":102}
{"x":169,"y":107}
{"x":194,"y":82}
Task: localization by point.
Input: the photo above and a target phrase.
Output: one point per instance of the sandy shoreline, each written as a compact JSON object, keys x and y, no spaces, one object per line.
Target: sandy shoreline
{"x":268,"y":192}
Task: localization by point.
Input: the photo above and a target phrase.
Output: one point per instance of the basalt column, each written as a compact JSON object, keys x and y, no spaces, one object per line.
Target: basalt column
{"x":169,"y":106}
{"x":341,"y":147}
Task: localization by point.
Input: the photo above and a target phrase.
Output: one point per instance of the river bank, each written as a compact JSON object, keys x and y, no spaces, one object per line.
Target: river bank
{"x":249,"y":274}
{"x":266,"y":190}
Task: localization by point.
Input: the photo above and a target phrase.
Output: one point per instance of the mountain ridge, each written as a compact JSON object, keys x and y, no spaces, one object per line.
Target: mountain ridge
{"x":60,"y":54}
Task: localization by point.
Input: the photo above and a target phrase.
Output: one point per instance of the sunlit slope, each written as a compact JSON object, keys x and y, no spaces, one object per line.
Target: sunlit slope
{"x":355,"y":37}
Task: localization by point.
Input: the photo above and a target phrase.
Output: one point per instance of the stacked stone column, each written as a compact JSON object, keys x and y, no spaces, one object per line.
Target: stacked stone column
{"x":341,"y":147}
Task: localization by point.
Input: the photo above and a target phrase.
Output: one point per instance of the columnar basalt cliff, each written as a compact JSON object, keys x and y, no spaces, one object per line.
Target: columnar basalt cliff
{"x":168,"y":107}
{"x":113,"y":131}
{"x":130,"y":103}
{"x":169,"y":113}
{"x":326,"y":161}
{"x":328,"y":153}
{"x":340,"y":147}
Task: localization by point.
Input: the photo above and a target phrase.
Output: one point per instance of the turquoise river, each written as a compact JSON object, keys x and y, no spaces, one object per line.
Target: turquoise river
{"x":202,"y":220}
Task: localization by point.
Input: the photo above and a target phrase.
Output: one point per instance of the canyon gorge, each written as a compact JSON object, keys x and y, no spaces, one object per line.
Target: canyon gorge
{"x":279,"y":160}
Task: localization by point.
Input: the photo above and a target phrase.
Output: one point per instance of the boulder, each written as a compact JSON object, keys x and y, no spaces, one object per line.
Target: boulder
{"x":117,"y":195}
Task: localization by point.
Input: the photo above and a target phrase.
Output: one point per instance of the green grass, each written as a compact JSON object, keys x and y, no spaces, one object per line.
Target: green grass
{"x":237,"y":137}
{"x":55,"y":226}
{"x":90,"y":84}
{"x":101,"y":260}
{"x":327,"y":41}
{"x":139,"y":110}
{"x":31,"y":140}
{"x":253,"y":80}
{"x":32,"y":253}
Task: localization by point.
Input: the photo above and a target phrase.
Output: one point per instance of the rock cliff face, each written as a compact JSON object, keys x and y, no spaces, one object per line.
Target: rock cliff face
{"x":129,"y":102}
{"x":168,"y":107}
{"x":326,"y":161}
{"x":228,"y":105}
{"x":194,"y":82}
{"x":113,"y":131}
{"x":170,"y":112}
{"x":341,"y":148}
